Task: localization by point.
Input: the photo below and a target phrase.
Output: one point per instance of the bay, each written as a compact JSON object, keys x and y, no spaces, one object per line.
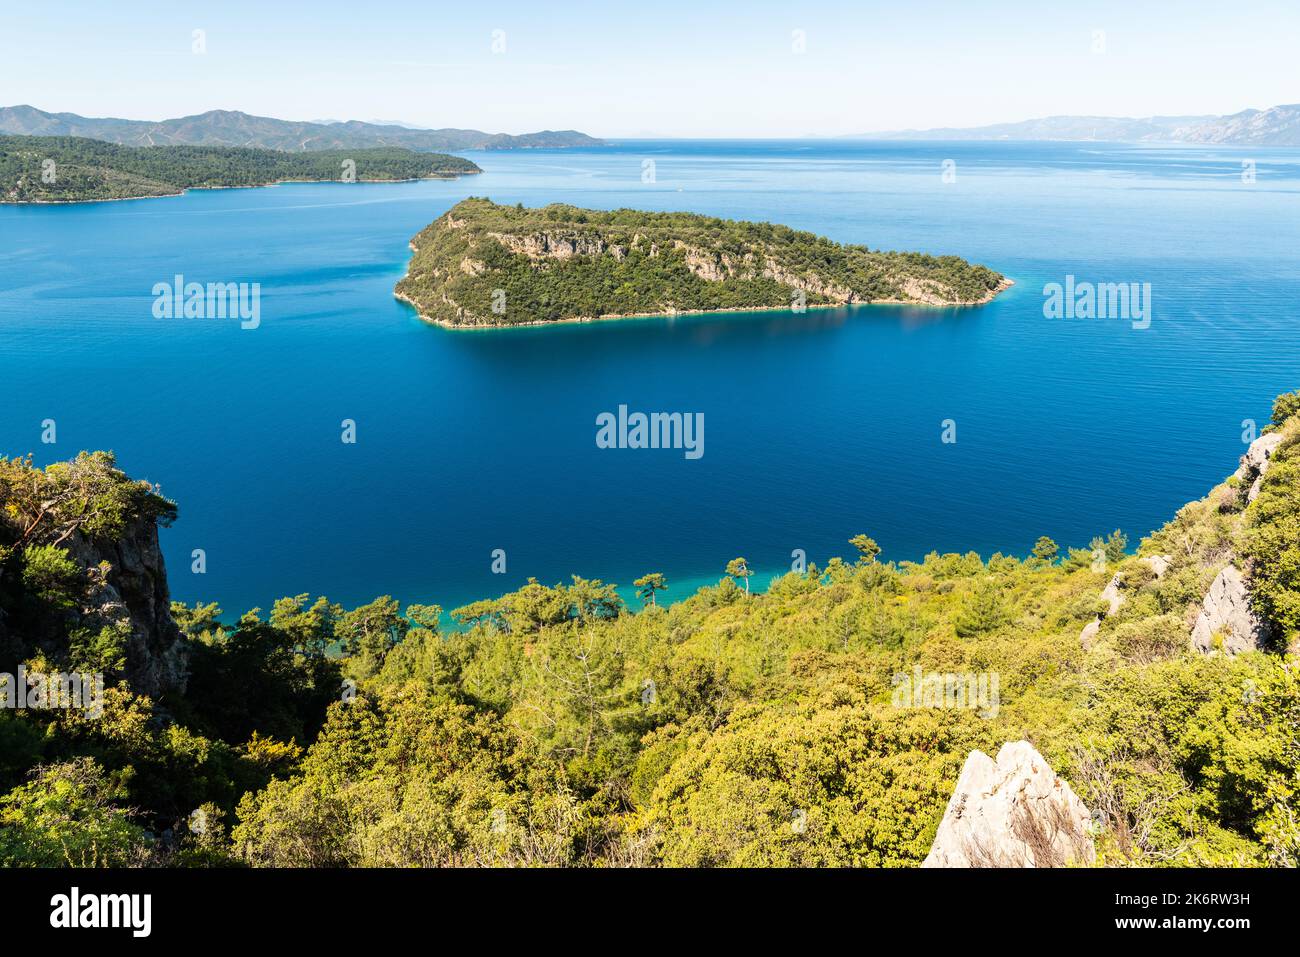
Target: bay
{"x":819,"y":425}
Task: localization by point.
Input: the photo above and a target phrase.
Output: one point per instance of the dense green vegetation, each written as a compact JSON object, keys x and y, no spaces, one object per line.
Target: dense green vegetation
{"x":555,"y":726}
{"x":50,"y":169}
{"x":486,"y":264}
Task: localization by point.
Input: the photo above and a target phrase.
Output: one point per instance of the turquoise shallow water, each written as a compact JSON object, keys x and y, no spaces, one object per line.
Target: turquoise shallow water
{"x":818,"y":425}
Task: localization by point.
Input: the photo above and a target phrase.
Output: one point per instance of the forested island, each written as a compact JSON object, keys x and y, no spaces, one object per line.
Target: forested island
{"x":559,"y":727}
{"x":485,"y":264}
{"x":65,"y":169}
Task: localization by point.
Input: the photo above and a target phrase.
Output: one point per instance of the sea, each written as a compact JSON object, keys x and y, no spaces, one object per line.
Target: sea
{"x":473,"y":462}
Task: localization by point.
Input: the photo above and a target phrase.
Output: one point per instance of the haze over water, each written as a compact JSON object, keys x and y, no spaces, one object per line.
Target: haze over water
{"x":817,"y":425}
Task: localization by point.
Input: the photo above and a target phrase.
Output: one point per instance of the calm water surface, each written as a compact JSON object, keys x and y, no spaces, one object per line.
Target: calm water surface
{"x":818,"y":426}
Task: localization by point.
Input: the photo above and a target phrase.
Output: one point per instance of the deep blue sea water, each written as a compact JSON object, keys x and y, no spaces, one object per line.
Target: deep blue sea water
{"x":818,"y":425}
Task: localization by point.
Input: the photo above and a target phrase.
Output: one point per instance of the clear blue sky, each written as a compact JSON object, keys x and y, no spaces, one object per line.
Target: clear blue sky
{"x":659,"y":68}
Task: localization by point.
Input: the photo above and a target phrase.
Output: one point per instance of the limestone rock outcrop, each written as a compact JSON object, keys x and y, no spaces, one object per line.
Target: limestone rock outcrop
{"x":1012,"y":812}
{"x":1254,"y":464}
{"x":1114,"y":597}
{"x":1111,"y":595}
{"x":555,"y":244}
{"x":1227,"y":621}
{"x":1089,"y":632}
{"x":1114,"y":600}
{"x":1159,"y":564}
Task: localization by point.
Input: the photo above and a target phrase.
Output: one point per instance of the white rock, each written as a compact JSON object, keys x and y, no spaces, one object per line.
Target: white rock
{"x":1256,"y":460}
{"x":1258,"y":454}
{"x":1227,"y":611}
{"x":1111,"y":595}
{"x":1089,"y":632}
{"x":1158,"y":563}
{"x":1012,"y":812}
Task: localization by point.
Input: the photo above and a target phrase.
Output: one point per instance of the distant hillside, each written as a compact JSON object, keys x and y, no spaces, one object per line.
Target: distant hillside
{"x":1276,"y":126}
{"x":53,"y":169}
{"x":232,"y":128}
{"x":1058,"y":128}
{"x":483,"y":264}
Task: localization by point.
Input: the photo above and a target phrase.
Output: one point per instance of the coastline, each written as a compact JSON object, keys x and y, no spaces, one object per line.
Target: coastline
{"x":1003,"y":286}
{"x":187,"y":189}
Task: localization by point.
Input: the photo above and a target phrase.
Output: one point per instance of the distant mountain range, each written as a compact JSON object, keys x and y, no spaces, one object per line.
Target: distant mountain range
{"x":1276,"y":126}
{"x":232,"y":128}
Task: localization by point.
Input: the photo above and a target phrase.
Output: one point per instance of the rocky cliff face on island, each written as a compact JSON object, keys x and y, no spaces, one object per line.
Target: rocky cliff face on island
{"x":482,"y":264}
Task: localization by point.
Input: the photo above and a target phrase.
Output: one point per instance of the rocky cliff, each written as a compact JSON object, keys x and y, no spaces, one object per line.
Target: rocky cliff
{"x":1228,"y":621}
{"x":1012,"y":812}
{"x":132,"y":594}
{"x":82,"y":577}
{"x":1254,"y":464}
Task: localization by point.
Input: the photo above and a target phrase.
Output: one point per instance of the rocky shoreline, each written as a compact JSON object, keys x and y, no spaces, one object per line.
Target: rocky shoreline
{"x":443,"y":323}
{"x":6,"y":201}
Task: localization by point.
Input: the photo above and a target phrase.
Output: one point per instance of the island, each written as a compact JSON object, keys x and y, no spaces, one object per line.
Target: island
{"x":70,"y":169}
{"x":485,"y":264}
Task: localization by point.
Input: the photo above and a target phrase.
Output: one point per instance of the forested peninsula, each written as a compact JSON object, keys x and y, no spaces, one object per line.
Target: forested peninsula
{"x":798,"y":726}
{"x":67,"y":169}
{"x":485,"y":264}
